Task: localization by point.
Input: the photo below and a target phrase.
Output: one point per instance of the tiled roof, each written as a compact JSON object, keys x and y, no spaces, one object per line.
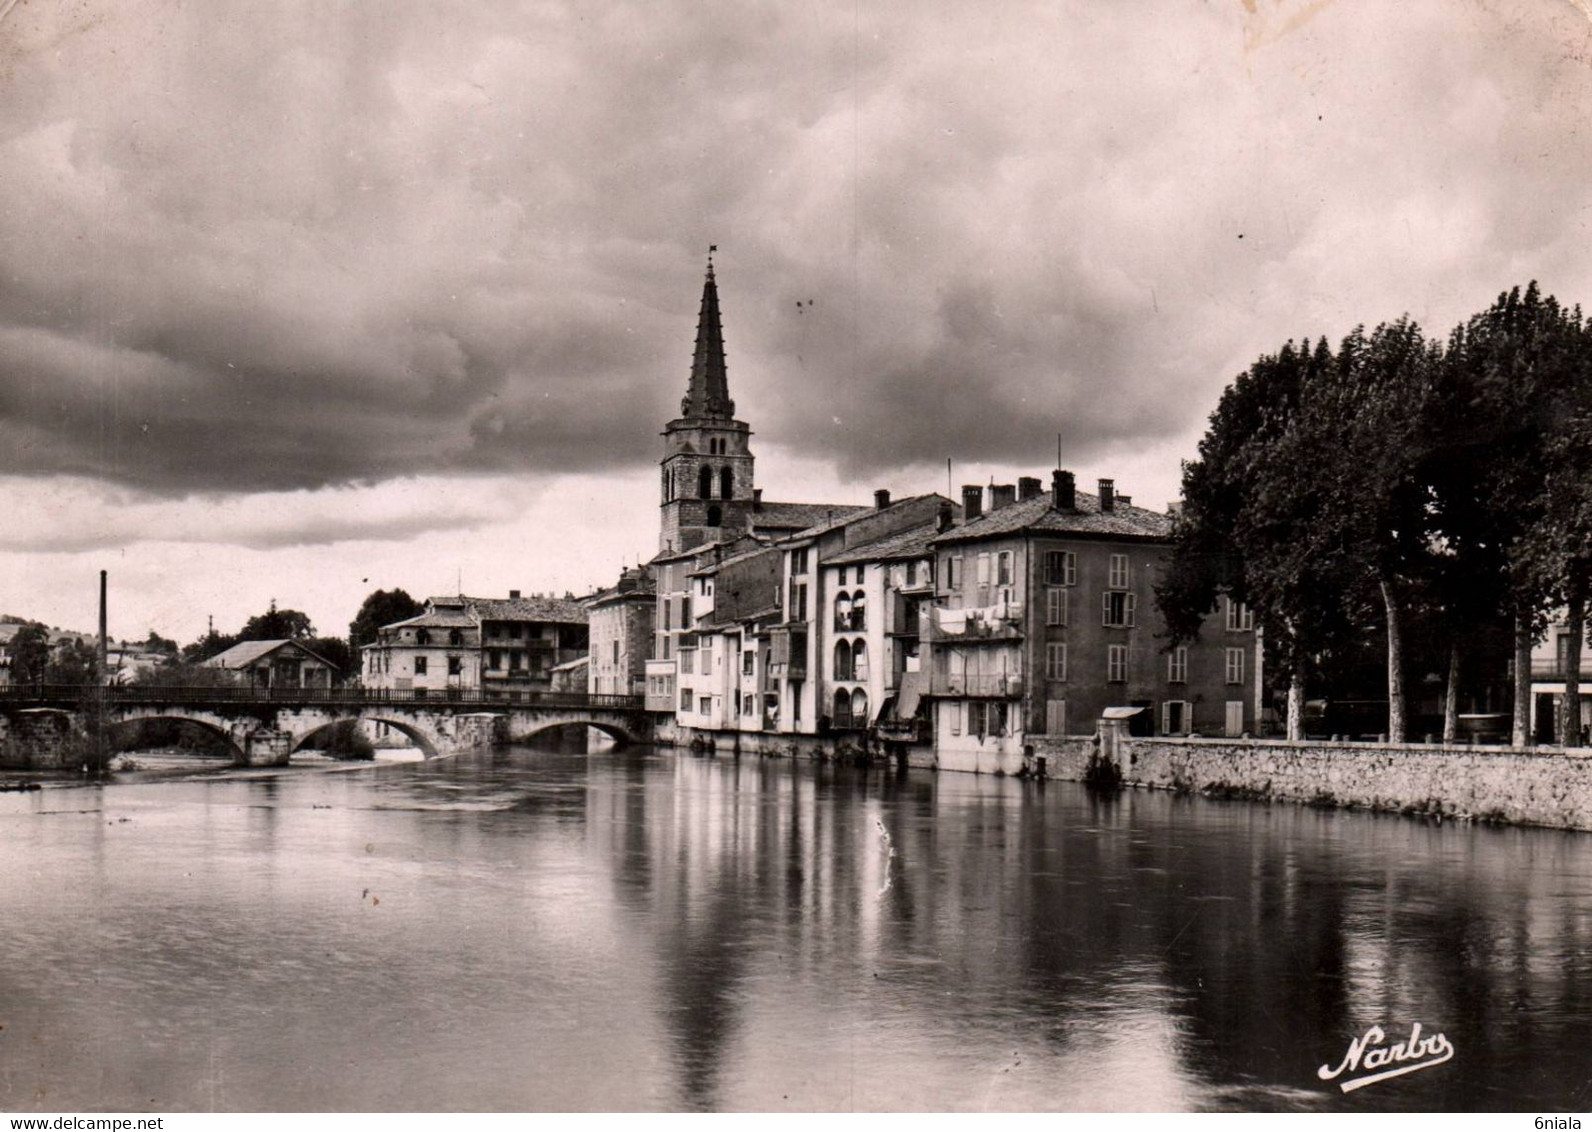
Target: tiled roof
{"x":436,"y":619}
{"x":714,"y":567}
{"x":1037,"y":516}
{"x":801,"y":516}
{"x":245,"y":653}
{"x":911,"y":543}
{"x":569,"y":611}
{"x":553,"y":609}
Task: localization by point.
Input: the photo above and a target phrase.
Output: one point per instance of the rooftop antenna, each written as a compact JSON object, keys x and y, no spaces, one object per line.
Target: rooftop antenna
{"x":948,"y":492}
{"x":1058,"y":450}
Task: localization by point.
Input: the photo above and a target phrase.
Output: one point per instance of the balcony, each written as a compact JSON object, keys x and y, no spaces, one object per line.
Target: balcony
{"x":1003,"y":686}
{"x":976,"y":626}
{"x":1556,"y":669}
{"x":905,"y":617}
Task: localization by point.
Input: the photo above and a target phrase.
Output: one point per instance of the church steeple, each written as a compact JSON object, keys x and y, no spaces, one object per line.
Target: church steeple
{"x":707,"y":492}
{"x":708,"y":394}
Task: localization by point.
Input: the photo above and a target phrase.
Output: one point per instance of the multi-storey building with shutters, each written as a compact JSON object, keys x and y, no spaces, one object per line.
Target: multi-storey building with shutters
{"x":1045,"y":621}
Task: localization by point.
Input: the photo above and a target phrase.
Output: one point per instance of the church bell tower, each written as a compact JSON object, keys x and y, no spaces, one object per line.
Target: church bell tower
{"x":707,"y":461}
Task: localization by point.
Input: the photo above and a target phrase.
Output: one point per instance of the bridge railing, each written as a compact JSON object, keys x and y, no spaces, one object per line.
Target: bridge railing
{"x":78,"y":695}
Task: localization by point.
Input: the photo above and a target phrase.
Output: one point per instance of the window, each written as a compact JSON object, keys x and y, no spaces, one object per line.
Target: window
{"x":422,"y":637}
{"x":843,"y":661}
{"x":514,"y":661}
{"x":1240,"y":618}
{"x":748,"y":663}
{"x":726,"y":483}
{"x":688,"y":660}
{"x":1117,"y":663}
{"x":668,"y":614}
{"x":859,"y":610}
{"x":420,"y":666}
{"x":685,"y":612}
{"x":1235,"y":666}
{"x":912,"y":573}
{"x":704,"y":483}
{"x":455,"y":638}
{"x":859,"y":708}
{"x":737,"y":701}
{"x":685,"y":699}
{"x":1118,"y":610}
{"x":1177,"y":666}
{"x":715,"y":516}
{"x":455,"y":666}
{"x":1061,"y":568}
{"x":842,"y":714}
{"x":1003,"y":568}
{"x":514,"y":632}
{"x":859,"y":662}
{"x":1055,"y":606}
{"x":1055,"y":661}
{"x":704,"y":705}
{"x":707,"y":661}
{"x":953,"y":572}
{"x":1119,"y":572}
{"x":953,"y":712}
{"x":614,"y":658}
{"x":1055,"y":717}
{"x":842,"y":611}
{"x":796,"y":610}
{"x":1176,"y":716}
{"x":798,"y":561}
{"x":986,"y":719}
{"x":983,"y":569}
{"x":494,"y":659}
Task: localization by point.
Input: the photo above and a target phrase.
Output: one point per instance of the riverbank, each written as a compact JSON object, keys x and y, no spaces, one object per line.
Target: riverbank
{"x":1550,"y":787}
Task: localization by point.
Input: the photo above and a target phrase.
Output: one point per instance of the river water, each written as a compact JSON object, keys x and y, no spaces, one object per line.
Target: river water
{"x":528,"y":929}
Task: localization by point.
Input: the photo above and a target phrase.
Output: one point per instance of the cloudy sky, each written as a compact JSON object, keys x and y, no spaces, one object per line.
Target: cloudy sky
{"x":303,"y":299}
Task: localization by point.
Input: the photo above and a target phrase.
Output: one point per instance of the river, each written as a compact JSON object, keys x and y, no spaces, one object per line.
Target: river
{"x":644,"y":929}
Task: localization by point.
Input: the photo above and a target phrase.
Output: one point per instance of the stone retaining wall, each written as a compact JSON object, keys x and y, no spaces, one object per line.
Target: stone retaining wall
{"x":1545,"y":786}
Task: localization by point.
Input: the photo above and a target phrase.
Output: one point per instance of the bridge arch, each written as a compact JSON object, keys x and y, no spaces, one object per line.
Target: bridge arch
{"x":416,"y":736}
{"x":228,"y":739}
{"x":619,"y":734}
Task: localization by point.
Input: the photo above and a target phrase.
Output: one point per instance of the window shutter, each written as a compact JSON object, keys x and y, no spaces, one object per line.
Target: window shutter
{"x":1132,"y":603}
{"x":1105,"y":609}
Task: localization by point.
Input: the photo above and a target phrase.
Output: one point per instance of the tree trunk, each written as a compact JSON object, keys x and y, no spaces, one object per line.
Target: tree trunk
{"x":1296,"y":702}
{"x":1451,"y":696}
{"x":1395,"y":665}
{"x":1522,"y":726}
{"x":1570,"y":703}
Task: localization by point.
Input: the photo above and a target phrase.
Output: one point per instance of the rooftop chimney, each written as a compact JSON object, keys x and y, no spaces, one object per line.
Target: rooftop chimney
{"x":1108,"y":495}
{"x":1029,"y":487}
{"x":1125,"y":500}
{"x":1063,"y":491}
{"x":514,"y":595}
{"x":946,"y":516}
{"x":757,"y":499}
{"x":881,"y":499}
{"x":972,"y":501}
{"x":1002,"y":495}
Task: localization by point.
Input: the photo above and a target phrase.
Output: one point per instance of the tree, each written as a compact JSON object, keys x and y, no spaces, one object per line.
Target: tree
{"x":72,"y":661}
{"x":1511,"y":368}
{"x":177,"y":673}
{"x":277,"y":625}
{"x":30,"y":653}
{"x":383,"y":607}
{"x":207,"y":646}
{"x":335,"y":650}
{"x":1243,"y":527}
{"x":1351,"y":455}
{"x":157,"y":643}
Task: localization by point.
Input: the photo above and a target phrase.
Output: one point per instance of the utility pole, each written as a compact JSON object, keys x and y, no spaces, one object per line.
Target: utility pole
{"x":101,"y":670}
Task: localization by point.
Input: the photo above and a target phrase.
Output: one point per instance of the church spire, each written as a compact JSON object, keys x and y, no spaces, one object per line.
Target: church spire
{"x":708,"y":394}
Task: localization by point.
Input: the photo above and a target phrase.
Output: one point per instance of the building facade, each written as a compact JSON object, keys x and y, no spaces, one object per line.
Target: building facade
{"x":620,"y":634}
{"x":497,"y":649}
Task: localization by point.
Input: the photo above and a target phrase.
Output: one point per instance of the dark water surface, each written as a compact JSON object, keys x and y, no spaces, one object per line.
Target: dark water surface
{"x":524,"y":929}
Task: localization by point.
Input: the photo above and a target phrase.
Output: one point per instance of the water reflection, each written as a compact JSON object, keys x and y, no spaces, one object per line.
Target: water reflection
{"x":538,"y":929}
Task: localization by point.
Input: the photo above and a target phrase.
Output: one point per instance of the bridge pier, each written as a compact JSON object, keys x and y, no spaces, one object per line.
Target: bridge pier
{"x":265,"y":746}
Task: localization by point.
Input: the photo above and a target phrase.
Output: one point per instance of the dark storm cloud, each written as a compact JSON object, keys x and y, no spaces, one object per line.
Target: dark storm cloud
{"x":254,"y":248}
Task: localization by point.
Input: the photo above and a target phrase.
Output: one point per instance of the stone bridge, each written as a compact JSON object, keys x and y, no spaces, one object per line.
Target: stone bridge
{"x":45,"y":726}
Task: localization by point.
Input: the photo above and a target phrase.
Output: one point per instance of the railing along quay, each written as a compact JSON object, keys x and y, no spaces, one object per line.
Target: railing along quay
{"x":79,"y":695}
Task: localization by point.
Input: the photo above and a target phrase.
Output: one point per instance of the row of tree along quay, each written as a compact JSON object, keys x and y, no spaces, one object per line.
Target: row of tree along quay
{"x":1403,"y":489}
